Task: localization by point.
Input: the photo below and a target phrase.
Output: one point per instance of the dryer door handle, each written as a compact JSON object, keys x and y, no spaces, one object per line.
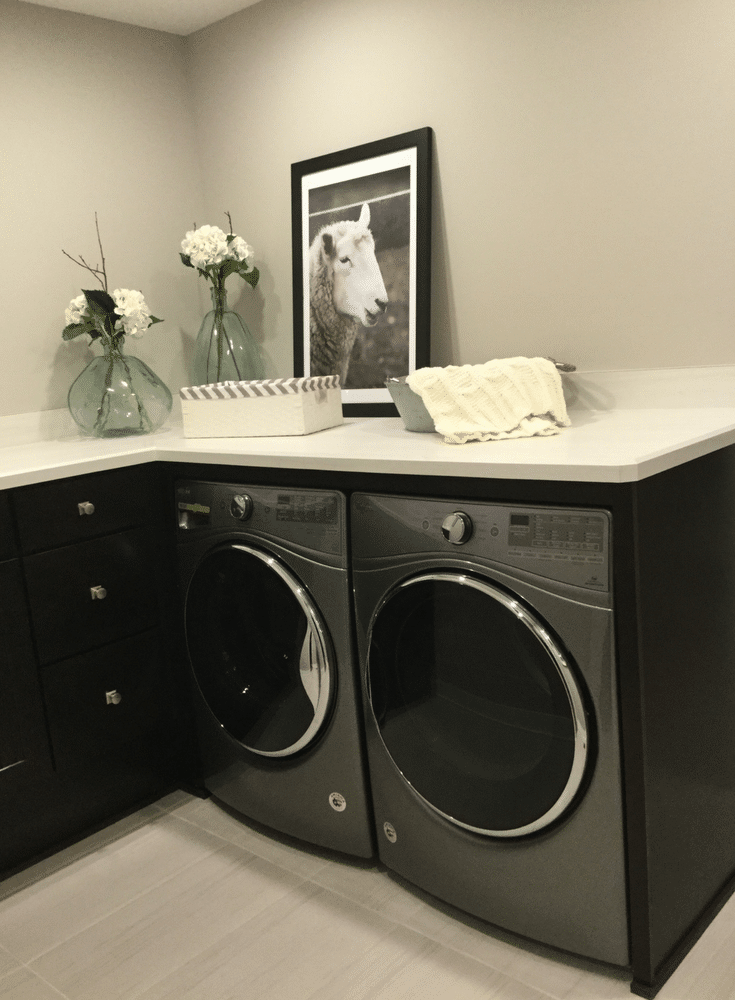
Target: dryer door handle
{"x":311,"y":667}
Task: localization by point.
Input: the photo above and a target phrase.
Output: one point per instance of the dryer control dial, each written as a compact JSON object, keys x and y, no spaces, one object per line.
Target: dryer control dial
{"x":457,"y":527}
{"x":241,"y":506}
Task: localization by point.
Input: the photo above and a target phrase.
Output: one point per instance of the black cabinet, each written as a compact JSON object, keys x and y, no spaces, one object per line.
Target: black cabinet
{"x":90,"y":695}
{"x":72,"y":510}
{"x":7,"y":533}
{"x":109,"y":709}
{"x":92,"y":593}
{"x":24,"y":750}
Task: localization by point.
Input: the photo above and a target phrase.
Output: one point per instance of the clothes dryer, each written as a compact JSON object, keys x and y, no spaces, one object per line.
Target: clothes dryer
{"x":266,"y":605}
{"x":485,"y":636}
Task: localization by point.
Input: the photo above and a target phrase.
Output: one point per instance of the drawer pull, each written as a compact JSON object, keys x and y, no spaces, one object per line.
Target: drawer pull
{"x":113,"y":697}
{"x":98,"y":593}
{"x":85,"y":508}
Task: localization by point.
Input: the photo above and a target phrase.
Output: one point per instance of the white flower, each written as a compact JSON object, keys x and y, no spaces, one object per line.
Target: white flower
{"x":77,"y":311}
{"x":205,"y":246}
{"x":135,"y":314}
{"x":239,"y":249}
{"x":208,"y":247}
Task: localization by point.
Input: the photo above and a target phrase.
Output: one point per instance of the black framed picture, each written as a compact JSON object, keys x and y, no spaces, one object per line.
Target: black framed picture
{"x":361,"y":223}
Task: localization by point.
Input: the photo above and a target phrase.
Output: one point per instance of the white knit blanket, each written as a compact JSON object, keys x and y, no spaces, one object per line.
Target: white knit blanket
{"x":509,"y":398}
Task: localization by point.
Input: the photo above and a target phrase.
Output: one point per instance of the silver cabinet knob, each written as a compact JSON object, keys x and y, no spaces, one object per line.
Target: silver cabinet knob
{"x":241,"y":507}
{"x":113,"y":697}
{"x":85,"y":508}
{"x":98,"y":593}
{"x":457,"y":527}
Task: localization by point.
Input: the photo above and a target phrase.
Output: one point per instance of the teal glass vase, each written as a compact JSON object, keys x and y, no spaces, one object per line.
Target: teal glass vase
{"x":225,"y":349}
{"x":118,"y":394}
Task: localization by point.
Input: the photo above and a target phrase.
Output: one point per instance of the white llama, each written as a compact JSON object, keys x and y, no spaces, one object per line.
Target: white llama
{"x":346,"y":289}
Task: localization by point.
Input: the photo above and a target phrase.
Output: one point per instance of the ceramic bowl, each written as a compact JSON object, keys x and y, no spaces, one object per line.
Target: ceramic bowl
{"x":410,"y":405}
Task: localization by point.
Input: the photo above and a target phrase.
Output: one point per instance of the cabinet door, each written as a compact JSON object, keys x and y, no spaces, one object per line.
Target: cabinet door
{"x":90,"y":594}
{"x":7,"y":533}
{"x":114,"y":710}
{"x":23,"y":740}
{"x":82,"y":507}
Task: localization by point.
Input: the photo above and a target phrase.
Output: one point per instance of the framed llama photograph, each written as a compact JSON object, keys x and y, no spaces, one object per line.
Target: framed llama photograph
{"x":361,"y":225}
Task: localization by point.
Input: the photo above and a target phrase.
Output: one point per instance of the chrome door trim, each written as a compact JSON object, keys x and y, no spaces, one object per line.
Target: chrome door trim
{"x":314,"y":659}
{"x":563,"y":667}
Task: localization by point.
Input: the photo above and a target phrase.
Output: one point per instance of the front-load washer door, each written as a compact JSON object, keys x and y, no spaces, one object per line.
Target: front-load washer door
{"x":476,"y":703}
{"x":259,"y":650}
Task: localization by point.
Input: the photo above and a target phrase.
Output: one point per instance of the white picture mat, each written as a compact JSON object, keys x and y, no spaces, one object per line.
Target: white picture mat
{"x":351,"y":171}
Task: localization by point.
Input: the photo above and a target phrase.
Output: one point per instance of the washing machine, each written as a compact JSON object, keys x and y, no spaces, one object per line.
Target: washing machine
{"x":266,"y":607}
{"x":485,"y":636}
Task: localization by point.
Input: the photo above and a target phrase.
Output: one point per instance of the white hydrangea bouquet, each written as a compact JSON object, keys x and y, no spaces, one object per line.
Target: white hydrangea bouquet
{"x":216,"y":255}
{"x":117,"y":393}
{"x":225,"y":349}
{"x":98,"y":314}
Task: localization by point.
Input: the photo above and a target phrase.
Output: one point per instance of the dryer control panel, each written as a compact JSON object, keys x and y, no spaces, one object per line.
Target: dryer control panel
{"x":571,"y":535}
{"x":570,"y":545}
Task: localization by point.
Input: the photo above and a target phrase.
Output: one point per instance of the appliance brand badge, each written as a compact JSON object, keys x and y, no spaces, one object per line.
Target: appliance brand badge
{"x":194,"y":508}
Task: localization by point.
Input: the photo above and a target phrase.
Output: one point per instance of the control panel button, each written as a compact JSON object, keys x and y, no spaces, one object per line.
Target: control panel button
{"x":241,"y":506}
{"x":457,"y":527}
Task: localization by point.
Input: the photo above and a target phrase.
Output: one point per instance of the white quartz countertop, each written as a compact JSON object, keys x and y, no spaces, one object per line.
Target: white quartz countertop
{"x":622,"y":431}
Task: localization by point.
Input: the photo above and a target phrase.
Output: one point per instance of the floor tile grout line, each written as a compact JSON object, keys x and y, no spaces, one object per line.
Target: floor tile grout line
{"x":117,"y":909}
{"x":428,"y":947}
{"x":47,"y":983}
{"x":24,"y":965}
{"x":234,"y":843}
{"x":431,"y":940}
{"x":195,"y":955}
{"x":77,"y":851}
{"x":67,"y":857}
{"x":435,"y":940}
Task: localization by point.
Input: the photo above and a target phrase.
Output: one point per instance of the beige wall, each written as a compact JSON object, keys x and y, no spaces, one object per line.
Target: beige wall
{"x":94,"y":116}
{"x":584,"y":164}
{"x":584,"y":167}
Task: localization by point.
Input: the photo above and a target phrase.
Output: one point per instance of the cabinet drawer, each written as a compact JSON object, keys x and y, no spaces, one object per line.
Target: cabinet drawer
{"x":72,"y":510}
{"x":109,"y":709}
{"x":92,"y":593}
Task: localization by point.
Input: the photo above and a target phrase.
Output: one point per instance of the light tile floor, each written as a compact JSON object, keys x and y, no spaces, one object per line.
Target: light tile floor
{"x":181,"y":901}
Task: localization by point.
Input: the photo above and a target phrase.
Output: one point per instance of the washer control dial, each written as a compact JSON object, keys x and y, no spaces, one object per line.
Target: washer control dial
{"x":457,"y":527}
{"x":241,"y":506}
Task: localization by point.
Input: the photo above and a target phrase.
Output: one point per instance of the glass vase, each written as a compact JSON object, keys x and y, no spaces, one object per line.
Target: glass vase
{"x":225,"y":349}
{"x":118,"y":394}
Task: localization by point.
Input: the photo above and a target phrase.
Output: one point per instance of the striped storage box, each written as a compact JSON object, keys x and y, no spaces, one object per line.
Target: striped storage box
{"x":268,"y":407}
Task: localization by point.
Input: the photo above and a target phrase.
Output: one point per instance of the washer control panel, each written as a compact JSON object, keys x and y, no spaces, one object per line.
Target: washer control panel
{"x":313,"y":519}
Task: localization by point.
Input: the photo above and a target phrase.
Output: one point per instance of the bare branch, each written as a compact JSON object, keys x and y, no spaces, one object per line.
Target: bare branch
{"x":102,"y":252}
{"x":99,"y":273}
{"x":229,"y":219}
{"x":82,"y":263}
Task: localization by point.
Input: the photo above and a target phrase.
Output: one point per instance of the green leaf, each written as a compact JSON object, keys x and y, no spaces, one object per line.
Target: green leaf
{"x":75,"y":330}
{"x":99,"y":301}
{"x":229,"y":267}
{"x":186,"y":260}
{"x":251,"y":276}
{"x":155,"y":319}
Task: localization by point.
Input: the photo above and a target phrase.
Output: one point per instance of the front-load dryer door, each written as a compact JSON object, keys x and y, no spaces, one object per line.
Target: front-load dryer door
{"x":259,"y":650}
{"x":476,"y":703}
